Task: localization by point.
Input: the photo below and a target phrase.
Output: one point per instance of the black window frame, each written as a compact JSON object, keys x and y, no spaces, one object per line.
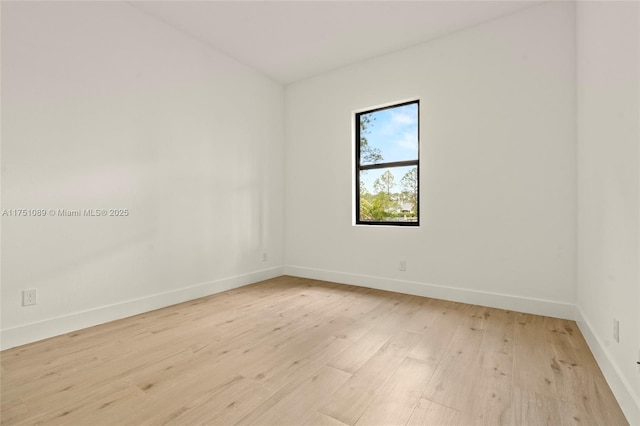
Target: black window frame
{"x":359,"y":167}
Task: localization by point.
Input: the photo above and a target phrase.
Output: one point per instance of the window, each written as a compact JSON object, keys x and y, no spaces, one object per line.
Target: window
{"x":388,"y":165}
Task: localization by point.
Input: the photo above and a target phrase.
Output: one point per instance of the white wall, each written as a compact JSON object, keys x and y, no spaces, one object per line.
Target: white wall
{"x":104,"y":107}
{"x":498,"y":168}
{"x":608,"y":284}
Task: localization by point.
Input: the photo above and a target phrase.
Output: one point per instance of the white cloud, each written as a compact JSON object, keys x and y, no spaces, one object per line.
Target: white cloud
{"x":402,"y":118}
{"x":398,"y":122}
{"x":409,"y":141}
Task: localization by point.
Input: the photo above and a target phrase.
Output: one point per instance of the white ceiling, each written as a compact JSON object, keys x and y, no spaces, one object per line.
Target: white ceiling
{"x":293,"y":40}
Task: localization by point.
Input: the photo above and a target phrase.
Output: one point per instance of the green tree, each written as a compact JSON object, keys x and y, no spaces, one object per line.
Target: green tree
{"x":363,"y":188}
{"x":384,"y":183}
{"x":384,"y":201}
{"x":409,"y":183}
{"x":379,"y":207}
{"x":368,"y":154}
{"x":374,"y":208}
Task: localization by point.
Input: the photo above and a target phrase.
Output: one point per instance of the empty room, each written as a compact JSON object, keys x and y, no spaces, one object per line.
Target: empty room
{"x":320,"y":212}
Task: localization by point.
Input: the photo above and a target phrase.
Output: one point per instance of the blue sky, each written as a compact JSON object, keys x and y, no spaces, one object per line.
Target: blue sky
{"x":395,"y":132}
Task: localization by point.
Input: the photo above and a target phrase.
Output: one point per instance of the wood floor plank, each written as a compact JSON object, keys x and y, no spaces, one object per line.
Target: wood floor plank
{"x":271,"y":361}
{"x":364,"y":301}
{"x":321,"y":419}
{"x":400,"y":395}
{"x":299,"y":351}
{"x":352,"y":399}
{"x":223,"y":404}
{"x":531,"y":354}
{"x":299,"y":405}
{"x":360,"y":351}
{"x":581,"y":395}
{"x":490,"y":398}
{"x":82,"y":408}
{"x":437,"y":337}
{"x":430,"y":413}
{"x":304,"y":364}
{"x":423,"y":317}
{"x":449,"y":384}
{"x":301,"y":376}
{"x":14,"y":411}
{"x":531,"y":408}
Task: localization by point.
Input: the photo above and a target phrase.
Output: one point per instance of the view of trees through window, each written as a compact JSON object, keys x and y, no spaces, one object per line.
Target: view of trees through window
{"x":387,"y":155}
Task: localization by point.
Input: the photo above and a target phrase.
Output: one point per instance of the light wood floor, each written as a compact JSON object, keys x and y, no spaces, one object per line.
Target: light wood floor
{"x":292,"y":351}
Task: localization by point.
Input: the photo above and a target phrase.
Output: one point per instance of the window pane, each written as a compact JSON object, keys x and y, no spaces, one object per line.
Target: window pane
{"x":389,"y":194}
{"x":389,"y":135}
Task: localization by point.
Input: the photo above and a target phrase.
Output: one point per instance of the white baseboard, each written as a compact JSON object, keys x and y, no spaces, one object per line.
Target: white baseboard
{"x":51,"y":327}
{"x":493,"y":300}
{"x":619,"y":385}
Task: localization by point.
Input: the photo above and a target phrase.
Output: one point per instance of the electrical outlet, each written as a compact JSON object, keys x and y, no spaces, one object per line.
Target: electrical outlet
{"x":403,"y":265}
{"x":265,"y":257}
{"x":616,"y":330}
{"x":29,"y":297}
